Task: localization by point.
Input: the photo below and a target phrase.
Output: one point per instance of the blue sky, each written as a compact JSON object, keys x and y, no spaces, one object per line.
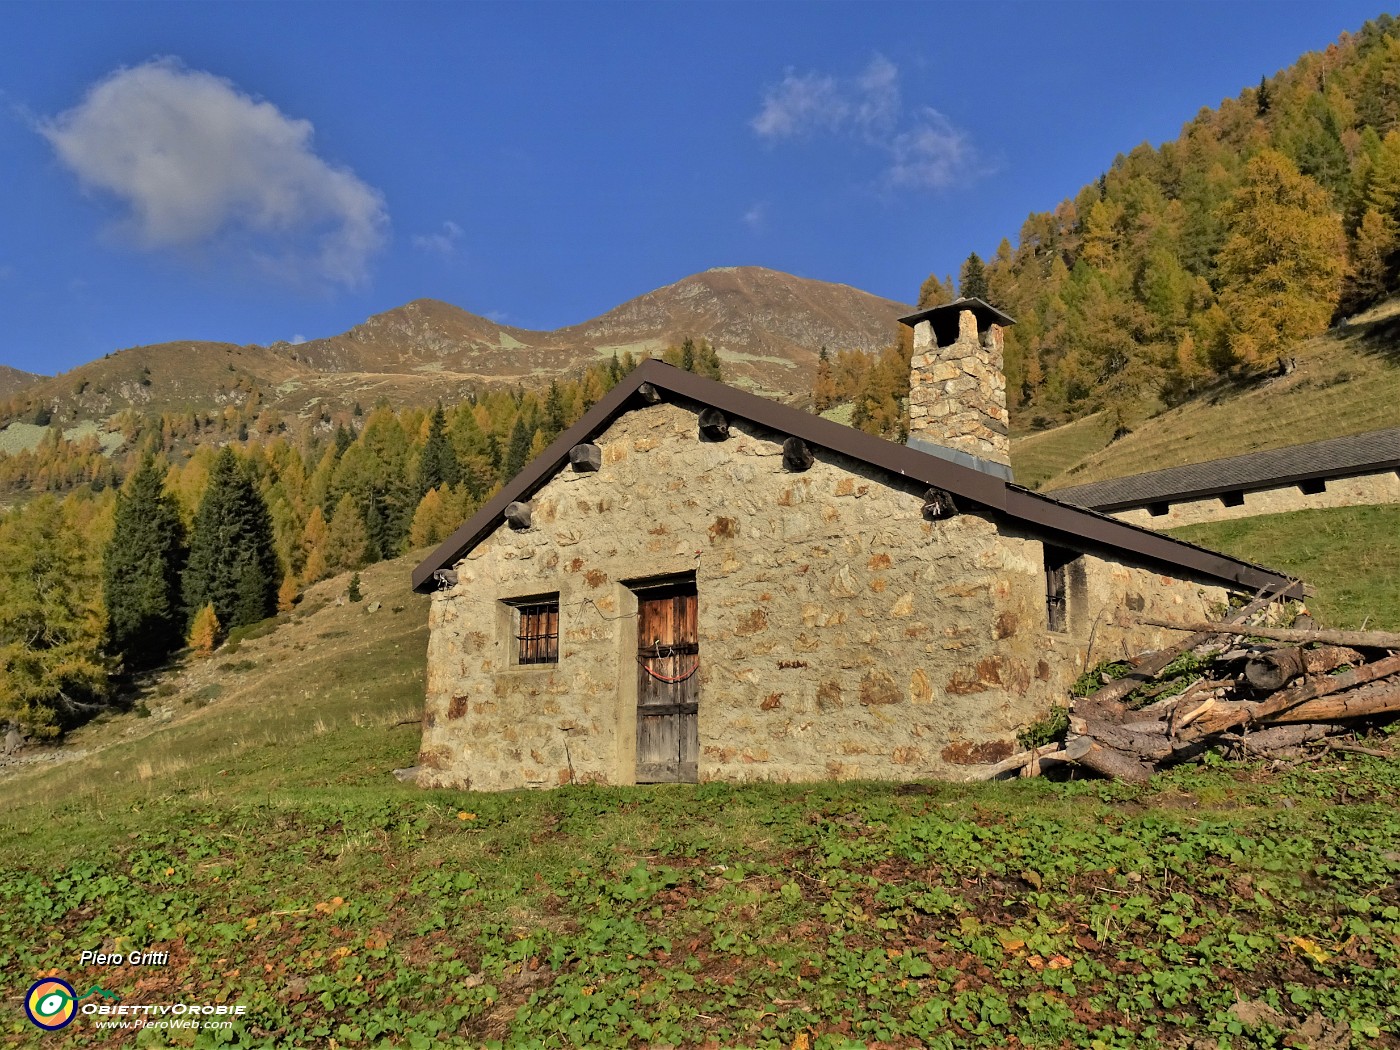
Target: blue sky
{"x":253,"y":172}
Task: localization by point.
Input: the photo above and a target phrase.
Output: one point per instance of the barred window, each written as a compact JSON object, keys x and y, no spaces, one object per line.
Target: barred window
{"x":537,"y":632}
{"x":1057,"y":599}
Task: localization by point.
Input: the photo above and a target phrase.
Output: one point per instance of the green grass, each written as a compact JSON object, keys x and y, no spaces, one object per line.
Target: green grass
{"x":262,"y":841}
{"x":338,"y":905}
{"x":841,"y":413}
{"x":1350,"y":556}
{"x":1037,"y":457}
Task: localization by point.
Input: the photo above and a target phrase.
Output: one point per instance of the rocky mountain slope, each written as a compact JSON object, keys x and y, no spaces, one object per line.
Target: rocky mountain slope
{"x":767,"y":326}
{"x":12,"y":381}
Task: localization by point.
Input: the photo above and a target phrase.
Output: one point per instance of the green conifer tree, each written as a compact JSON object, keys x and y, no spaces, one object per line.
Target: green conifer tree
{"x":554,"y":407}
{"x":437,"y":463}
{"x":232,"y":563}
{"x":141,"y":570}
{"x":518,"y":448}
{"x":376,"y":471}
{"x":973,"y":279}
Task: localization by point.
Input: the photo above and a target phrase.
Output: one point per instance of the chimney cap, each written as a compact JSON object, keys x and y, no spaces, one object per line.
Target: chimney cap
{"x":985,"y":313}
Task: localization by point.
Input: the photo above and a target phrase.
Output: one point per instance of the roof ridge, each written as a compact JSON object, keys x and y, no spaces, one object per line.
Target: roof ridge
{"x":1043,"y":511}
{"x":1338,"y":456}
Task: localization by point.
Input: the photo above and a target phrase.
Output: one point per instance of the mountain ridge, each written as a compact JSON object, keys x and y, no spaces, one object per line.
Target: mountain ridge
{"x":14,"y":380}
{"x":767,"y":327}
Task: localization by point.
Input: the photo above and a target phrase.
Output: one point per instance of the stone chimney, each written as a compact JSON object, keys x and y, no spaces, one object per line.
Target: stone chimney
{"x":957,"y":389}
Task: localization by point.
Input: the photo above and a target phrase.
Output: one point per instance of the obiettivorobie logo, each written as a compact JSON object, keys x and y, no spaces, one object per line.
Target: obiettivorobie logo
{"x":52,"y":1003}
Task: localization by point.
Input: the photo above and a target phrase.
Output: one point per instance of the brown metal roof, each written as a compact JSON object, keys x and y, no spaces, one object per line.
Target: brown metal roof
{"x":1082,"y":528}
{"x":1376,"y":450}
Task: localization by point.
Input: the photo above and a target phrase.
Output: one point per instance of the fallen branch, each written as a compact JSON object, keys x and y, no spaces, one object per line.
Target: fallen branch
{"x":1267,"y":741}
{"x":1195,"y":714}
{"x":1364,"y":639}
{"x":1145,"y":746}
{"x":1274,"y":668}
{"x":1108,"y":701}
{"x":1360,"y":703}
{"x":1046,"y":752}
{"x":1204,"y":689}
{"x":1111,"y":762}
{"x":1300,"y":695}
{"x":1356,"y":749}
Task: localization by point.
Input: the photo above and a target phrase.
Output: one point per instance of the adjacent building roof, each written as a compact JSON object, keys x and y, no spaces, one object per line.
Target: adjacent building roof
{"x":1368,"y":453}
{"x":1066,"y":524}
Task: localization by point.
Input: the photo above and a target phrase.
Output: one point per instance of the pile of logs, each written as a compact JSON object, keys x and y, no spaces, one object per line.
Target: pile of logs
{"x":1267,"y":692}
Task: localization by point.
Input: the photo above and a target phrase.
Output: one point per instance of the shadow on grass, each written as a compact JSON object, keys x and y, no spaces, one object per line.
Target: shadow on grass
{"x":1381,"y":339}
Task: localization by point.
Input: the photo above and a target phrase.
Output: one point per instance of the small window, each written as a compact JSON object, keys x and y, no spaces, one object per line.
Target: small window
{"x":1313,"y":486}
{"x":1158,"y":510}
{"x":537,"y":631}
{"x":1057,"y":561}
{"x":1232,"y":499}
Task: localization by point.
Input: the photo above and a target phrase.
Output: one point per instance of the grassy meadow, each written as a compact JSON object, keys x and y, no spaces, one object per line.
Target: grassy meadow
{"x":1349,"y":556}
{"x":244,"y":818}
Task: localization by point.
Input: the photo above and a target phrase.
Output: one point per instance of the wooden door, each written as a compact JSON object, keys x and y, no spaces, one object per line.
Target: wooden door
{"x":668,"y":685}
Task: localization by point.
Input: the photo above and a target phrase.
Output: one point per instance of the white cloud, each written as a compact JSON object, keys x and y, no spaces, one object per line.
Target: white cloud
{"x":922,"y":147}
{"x":197,"y":162}
{"x":443,"y":243}
{"x":799,"y":104}
{"x":931,"y":153}
{"x":297,"y":339}
{"x":757,"y":216}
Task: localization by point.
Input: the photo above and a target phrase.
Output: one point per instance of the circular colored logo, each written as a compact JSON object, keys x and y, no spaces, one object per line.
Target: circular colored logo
{"x":51,"y":1004}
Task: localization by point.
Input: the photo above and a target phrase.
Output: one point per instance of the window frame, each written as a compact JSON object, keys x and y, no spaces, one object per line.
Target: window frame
{"x":534,"y":630}
{"x":1056,"y":562}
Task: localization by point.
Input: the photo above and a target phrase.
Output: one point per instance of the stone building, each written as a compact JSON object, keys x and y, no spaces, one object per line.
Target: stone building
{"x":696,"y":583}
{"x":1350,"y":471}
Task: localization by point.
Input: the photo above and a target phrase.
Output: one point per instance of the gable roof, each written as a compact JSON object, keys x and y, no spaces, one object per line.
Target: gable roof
{"x":1367,"y":453}
{"x":1030,"y":509}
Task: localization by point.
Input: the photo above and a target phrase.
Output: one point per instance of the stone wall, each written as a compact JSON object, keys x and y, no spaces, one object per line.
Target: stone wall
{"x":957,"y":392}
{"x":841,"y":635}
{"x":1341,"y":492}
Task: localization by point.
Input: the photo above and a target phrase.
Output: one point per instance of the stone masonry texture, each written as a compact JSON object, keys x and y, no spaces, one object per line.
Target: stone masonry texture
{"x":957,"y":392}
{"x":1383,"y":487}
{"x":841,"y":635}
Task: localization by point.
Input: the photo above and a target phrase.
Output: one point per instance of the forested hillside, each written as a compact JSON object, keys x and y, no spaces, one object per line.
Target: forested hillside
{"x":1265,"y":220}
{"x":1190,"y":265}
{"x":176,"y":542}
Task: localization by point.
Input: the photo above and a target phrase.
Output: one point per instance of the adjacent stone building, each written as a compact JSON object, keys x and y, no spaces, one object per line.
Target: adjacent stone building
{"x":696,"y":583}
{"x":1350,"y":471}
